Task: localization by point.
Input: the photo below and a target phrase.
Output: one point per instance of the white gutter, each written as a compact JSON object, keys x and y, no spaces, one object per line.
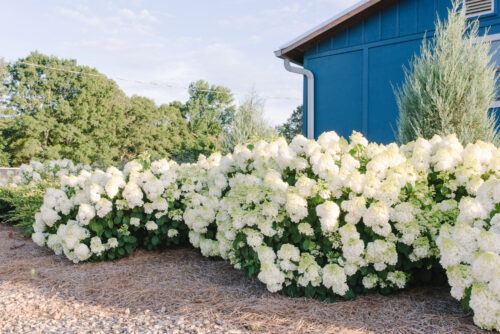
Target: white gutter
{"x":310,"y":95}
{"x":308,"y":74}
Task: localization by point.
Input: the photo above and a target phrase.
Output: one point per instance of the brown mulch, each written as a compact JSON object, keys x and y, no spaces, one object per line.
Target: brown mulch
{"x":183,"y":283}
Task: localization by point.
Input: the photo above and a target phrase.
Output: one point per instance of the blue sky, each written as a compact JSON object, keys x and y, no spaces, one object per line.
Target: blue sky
{"x":226,"y":42}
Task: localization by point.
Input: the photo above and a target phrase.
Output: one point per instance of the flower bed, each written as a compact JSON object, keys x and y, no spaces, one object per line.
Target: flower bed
{"x":326,"y":219}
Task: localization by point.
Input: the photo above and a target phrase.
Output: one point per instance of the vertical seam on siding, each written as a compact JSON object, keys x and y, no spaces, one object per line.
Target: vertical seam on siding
{"x":397,"y":19}
{"x":364,"y":119}
{"x":380,"y":25}
{"x":363,"y":34}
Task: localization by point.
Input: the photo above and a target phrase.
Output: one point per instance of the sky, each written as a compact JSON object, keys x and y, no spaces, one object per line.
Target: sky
{"x":156,"y":48}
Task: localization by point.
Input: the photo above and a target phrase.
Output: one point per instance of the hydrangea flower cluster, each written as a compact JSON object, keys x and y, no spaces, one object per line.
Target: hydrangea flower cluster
{"x":36,"y":170}
{"x":326,"y":219}
{"x":470,"y":252}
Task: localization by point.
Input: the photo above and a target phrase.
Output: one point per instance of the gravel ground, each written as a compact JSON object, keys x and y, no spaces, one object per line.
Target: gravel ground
{"x":179,"y":291}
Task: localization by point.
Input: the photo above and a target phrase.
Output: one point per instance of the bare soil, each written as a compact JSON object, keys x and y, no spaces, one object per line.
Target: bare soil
{"x":181,"y":291}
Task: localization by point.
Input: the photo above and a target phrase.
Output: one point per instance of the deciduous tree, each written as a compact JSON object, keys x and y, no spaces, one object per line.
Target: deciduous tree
{"x":293,"y":125}
{"x":248,"y":124}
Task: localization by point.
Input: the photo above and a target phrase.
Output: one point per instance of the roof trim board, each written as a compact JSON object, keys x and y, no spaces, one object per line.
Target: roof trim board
{"x":294,"y":50}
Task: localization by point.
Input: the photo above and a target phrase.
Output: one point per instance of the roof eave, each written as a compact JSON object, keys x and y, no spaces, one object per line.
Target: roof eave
{"x":279,"y":54}
{"x":294,"y":50}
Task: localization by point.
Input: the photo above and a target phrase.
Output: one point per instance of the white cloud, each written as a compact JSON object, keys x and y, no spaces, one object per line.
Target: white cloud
{"x":120,"y":21}
{"x":141,"y":15}
{"x":79,"y":16}
{"x":112,"y":44}
{"x":240,"y":21}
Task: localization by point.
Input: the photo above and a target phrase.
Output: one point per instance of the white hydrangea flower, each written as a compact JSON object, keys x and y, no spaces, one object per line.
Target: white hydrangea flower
{"x":377,"y":217}
{"x":296,"y":206}
{"x":171,"y":233}
{"x":288,"y":254}
{"x":209,"y":247}
{"x":305,"y":186}
{"x":114,"y":184}
{"x":370,"y":281}
{"x":39,"y":238}
{"x":254,"y":238}
{"x":310,"y":271}
{"x":151,"y":226}
{"x":335,"y":278}
{"x":328,"y":214}
{"x":82,"y":252}
{"x":485,"y":267}
{"x":305,"y":229}
{"x":96,"y":246}
{"x":103,"y":207}
{"x":381,"y":253}
{"x":355,"y":208}
{"x":49,"y":216}
{"x":112,"y":242}
{"x":134,"y":221}
{"x":86,"y":213}
{"x":133,"y":195}
{"x":398,"y":278}
{"x":271,"y":276}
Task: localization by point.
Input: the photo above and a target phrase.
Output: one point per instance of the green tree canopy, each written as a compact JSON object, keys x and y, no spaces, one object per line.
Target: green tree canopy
{"x":61,"y":114}
{"x":209,"y":110}
{"x":4,"y":154}
{"x":183,"y":145}
{"x":59,"y":109}
{"x":293,"y":125}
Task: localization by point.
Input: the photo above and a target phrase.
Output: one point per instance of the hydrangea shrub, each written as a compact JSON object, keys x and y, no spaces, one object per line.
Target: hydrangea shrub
{"x":470,"y":252}
{"x":105,"y":215}
{"x":326,"y":219}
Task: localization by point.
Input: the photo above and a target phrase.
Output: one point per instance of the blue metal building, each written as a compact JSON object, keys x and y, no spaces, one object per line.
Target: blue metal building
{"x":352,"y":62}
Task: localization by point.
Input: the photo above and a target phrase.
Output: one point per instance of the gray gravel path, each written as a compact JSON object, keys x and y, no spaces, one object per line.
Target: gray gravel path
{"x":25,"y":310}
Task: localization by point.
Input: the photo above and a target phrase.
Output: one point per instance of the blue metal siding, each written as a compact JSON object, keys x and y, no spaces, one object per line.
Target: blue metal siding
{"x":389,"y":22}
{"x":385,"y":73}
{"x":408,"y":18}
{"x":348,"y":72}
{"x":356,"y":70}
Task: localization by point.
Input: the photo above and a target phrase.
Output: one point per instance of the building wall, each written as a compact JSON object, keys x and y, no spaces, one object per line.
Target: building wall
{"x":357,"y":70}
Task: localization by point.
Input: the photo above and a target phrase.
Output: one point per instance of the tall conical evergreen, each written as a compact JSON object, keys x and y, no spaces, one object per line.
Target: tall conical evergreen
{"x":450,"y":86}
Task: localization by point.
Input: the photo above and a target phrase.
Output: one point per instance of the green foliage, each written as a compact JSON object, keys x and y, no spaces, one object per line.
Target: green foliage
{"x":293,"y":125}
{"x":61,"y":114}
{"x":182,"y":145}
{"x":4,"y":156}
{"x":248,"y":125}
{"x":208,"y":111}
{"x":450,"y":87}
{"x":159,"y":131}
{"x":83,"y":116}
{"x":4,"y":73}
{"x":19,"y":204}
